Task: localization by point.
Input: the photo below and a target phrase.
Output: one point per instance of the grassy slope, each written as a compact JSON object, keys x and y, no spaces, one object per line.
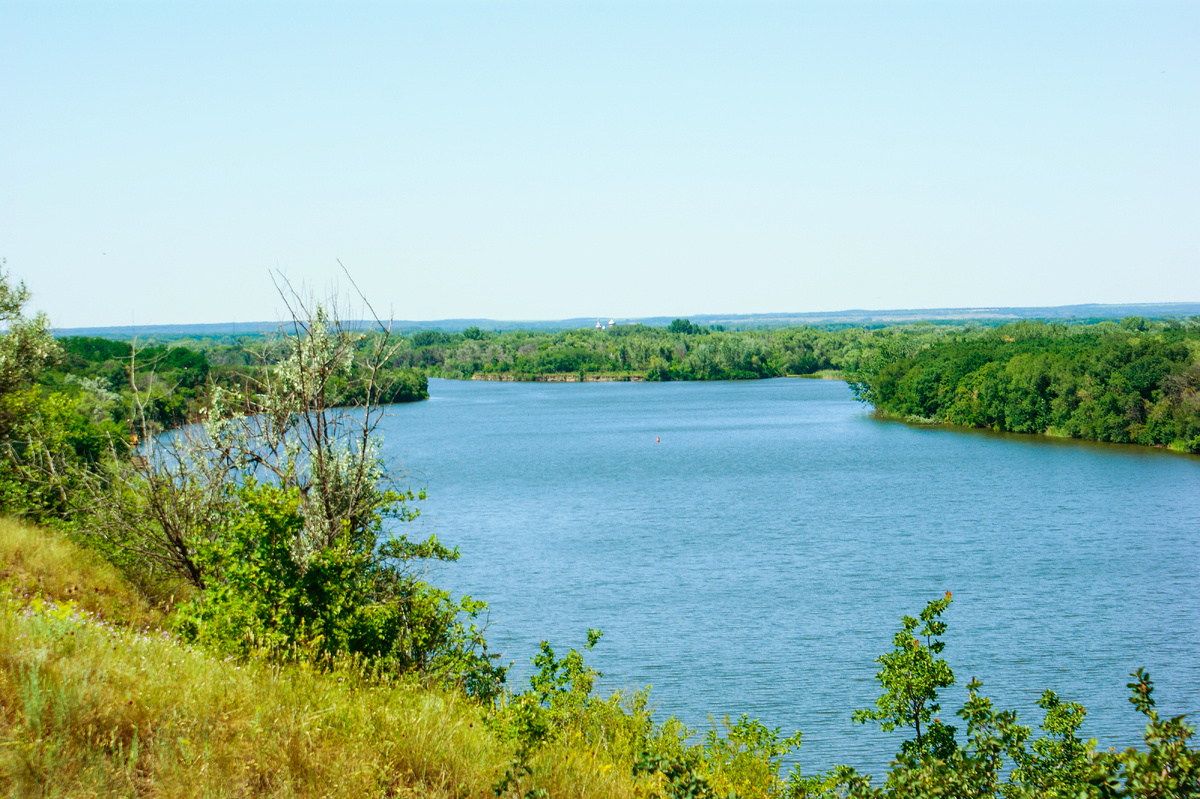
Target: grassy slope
{"x":34,"y":563}
{"x":97,"y":700}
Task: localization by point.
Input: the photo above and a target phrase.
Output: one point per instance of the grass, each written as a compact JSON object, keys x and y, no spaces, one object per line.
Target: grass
{"x":97,"y":698}
{"x":36,"y":562}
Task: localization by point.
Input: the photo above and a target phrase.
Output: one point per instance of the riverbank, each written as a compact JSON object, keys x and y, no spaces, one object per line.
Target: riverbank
{"x":510,"y":377}
{"x":824,"y":374}
{"x":1050,"y":436}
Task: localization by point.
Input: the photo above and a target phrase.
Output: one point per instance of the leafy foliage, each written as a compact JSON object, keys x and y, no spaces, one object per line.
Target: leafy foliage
{"x":1056,"y":765}
{"x":911,"y":675}
{"x":27,"y":347}
{"x":356,"y":597}
{"x":686,"y":327}
{"x":1168,"y":767}
{"x":681,"y":351}
{"x":276,"y":508}
{"x":1137,"y":383}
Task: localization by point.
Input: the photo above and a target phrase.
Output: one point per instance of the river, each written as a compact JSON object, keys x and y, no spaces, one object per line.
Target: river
{"x":749,"y":547}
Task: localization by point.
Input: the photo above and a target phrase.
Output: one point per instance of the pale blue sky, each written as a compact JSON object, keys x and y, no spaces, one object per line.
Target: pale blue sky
{"x":550,"y":160}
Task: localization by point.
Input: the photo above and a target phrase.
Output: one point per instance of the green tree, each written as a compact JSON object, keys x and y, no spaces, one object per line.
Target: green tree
{"x":1168,"y":767}
{"x":911,"y":675}
{"x":34,"y":436}
{"x":27,"y":346}
{"x":1060,"y":762}
{"x":686,"y":327}
{"x":281,"y":511}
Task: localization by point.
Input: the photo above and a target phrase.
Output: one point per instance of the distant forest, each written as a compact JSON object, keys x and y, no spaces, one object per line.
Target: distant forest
{"x":1137,"y":382}
{"x":1134,"y":381}
{"x":112,"y":382}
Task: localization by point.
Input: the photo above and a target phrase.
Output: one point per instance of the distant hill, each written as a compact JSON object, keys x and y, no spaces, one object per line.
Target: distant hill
{"x":1060,"y":313}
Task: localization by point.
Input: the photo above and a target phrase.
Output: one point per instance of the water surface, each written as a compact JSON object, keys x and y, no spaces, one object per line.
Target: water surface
{"x":758,"y":558}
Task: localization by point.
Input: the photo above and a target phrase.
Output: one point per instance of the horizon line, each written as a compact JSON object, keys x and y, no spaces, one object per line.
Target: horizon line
{"x":845,"y":316}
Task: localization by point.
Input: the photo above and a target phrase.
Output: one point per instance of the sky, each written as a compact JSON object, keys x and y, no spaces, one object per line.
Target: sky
{"x":158,"y":162}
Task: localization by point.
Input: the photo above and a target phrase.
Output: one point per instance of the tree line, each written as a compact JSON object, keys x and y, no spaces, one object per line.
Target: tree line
{"x":1132,"y":382}
{"x":680,"y":351}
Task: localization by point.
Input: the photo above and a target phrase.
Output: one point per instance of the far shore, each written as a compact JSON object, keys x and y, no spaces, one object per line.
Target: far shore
{"x":621,"y":377}
{"x":558,"y":377}
{"x":824,"y":374}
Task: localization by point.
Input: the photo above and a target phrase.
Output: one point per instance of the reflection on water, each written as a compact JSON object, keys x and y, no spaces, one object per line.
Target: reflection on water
{"x":758,"y":557}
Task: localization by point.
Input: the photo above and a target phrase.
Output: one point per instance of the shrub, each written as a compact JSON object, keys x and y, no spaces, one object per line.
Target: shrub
{"x":266,"y":596}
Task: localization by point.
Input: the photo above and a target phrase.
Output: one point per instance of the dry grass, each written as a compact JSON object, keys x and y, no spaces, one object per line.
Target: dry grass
{"x":97,"y":710}
{"x":36,"y":562}
{"x":96,"y":700}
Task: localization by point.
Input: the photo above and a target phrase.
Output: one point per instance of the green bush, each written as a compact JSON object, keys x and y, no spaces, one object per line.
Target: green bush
{"x":999,"y":758}
{"x":264,"y":596}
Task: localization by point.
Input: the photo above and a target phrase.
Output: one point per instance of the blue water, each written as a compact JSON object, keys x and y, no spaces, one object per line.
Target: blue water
{"x":758,"y":558}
